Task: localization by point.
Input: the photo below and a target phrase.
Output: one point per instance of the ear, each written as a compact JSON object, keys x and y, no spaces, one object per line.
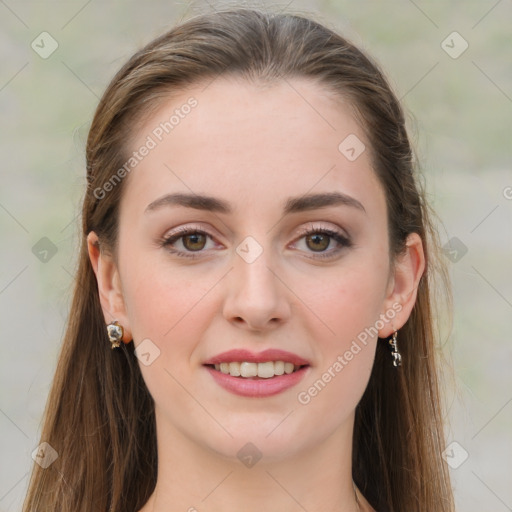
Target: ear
{"x":109,"y":285}
{"x":403,"y":284}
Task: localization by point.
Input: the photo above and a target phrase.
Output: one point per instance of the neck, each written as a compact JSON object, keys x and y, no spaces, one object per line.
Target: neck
{"x":193,"y":478}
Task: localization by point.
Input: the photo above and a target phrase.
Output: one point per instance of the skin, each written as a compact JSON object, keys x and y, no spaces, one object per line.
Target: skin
{"x":254,"y":147}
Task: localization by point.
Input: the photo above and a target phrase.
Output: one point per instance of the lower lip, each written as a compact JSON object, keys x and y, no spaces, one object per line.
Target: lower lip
{"x":258,"y":388}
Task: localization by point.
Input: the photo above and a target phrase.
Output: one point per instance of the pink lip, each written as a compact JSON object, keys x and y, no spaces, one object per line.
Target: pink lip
{"x":256,"y":387}
{"x":240,"y":355}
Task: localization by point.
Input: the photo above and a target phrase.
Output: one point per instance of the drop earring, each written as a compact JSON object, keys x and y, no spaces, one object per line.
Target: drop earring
{"x":115,"y":333}
{"x":397,"y":357}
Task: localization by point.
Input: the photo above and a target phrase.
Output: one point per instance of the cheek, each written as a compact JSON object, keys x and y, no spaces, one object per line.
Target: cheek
{"x":350,"y":307}
{"x":157,"y":306}
{"x":172,"y":310}
{"x":347,"y":301}
{"x":167,"y":305}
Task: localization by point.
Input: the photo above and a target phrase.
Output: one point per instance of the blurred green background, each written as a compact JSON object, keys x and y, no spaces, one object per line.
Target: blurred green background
{"x":460,"y":116}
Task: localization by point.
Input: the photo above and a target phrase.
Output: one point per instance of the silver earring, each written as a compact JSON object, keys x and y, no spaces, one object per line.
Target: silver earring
{"x":397,"y":357}
{"x":115,"y":333}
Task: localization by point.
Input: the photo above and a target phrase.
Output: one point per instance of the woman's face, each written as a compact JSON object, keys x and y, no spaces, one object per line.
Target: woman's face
{"x":241,"y":272}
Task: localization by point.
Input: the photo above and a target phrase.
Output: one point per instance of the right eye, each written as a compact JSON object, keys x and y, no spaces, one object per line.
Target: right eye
{"x":192,"y":240}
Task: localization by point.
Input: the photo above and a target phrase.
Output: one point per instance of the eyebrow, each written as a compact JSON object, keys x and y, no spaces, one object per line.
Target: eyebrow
{"x":292,"y":204}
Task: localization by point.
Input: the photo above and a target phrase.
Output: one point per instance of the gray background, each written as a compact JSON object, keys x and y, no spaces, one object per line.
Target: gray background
{"x":460,"y":112}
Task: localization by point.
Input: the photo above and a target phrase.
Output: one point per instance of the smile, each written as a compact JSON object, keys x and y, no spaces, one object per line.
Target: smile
{"x":255,"y":386}
{"x":248,"y":370}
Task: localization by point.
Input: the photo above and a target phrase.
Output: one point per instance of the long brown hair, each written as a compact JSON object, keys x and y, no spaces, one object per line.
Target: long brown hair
{"x":100,"y":416}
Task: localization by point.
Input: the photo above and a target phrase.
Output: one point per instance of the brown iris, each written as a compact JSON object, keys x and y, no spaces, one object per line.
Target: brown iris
{"x":197,"y":241}
{"x":320,"y":241}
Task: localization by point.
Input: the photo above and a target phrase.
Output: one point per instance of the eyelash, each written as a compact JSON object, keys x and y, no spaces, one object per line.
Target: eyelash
{"x":182,"y":232}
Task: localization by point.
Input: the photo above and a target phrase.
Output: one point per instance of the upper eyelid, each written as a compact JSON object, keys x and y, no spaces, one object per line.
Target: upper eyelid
{"x":328,"y":226}
{"x":310,"y":226}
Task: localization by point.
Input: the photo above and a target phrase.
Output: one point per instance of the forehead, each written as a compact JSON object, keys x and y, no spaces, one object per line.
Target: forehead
{"x":254,"y":144}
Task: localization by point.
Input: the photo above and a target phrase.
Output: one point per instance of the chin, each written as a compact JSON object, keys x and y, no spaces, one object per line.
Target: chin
{"x":265,"y":439}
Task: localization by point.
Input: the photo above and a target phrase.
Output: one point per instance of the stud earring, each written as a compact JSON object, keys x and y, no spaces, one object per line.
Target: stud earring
{"x":115,"y":333}
{"x":397,"y":357}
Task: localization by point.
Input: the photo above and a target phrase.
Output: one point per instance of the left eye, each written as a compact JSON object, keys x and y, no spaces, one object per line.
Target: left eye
{"x":318,"y":240}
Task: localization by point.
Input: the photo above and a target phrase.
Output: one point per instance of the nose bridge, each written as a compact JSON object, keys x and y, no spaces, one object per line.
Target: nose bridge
{"x":252,"y":263}
{"x":255,"y":293}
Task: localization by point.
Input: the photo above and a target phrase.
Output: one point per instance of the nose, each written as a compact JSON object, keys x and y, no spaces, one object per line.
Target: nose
{"x":257,"y":299}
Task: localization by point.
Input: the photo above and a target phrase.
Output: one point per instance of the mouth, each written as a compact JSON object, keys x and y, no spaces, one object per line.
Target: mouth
{"x":256,"y":371}
{"x":257,"y":374}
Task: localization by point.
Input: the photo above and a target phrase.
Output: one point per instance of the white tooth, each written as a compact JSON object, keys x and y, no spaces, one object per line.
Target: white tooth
{"x":278,"y":368}
{"x":224,"y":367}
{"x":217,"y":366}
{"x":266,"y":370}
{"x":234,"y":369}
{"x":288,"y":367}
{"x":248,"y":369}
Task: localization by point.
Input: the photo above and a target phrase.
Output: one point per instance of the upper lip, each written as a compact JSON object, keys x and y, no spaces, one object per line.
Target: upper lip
{"x":242,"y":355}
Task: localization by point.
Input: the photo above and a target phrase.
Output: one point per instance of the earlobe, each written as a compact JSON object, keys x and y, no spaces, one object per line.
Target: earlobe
{"x":408,"y":269}
{"x":109,"y":285}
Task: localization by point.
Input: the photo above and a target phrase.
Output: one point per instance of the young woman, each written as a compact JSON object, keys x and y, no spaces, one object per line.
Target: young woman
{"x":252,"y":325}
